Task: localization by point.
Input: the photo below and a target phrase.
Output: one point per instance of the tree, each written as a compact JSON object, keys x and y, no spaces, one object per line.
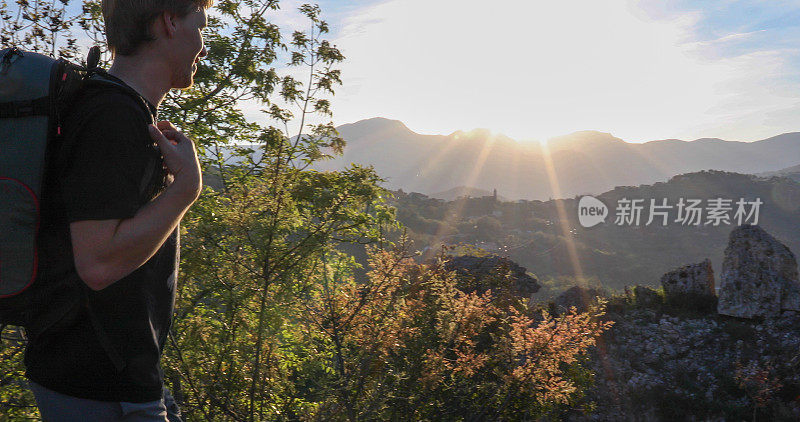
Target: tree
{"x":250,"y":246}
{"x":42,"y":26}
{"x":253,"y":245}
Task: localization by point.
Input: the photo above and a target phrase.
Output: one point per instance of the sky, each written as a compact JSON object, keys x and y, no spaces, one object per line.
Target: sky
{"x":641,"y":70}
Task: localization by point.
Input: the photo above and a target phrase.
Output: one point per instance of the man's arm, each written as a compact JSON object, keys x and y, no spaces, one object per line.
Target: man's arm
{"x":108,"y":250}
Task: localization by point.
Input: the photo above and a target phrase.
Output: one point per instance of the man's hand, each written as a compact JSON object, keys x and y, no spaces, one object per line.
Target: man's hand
{"x":180,"y":157}
{"x":107,"y":250}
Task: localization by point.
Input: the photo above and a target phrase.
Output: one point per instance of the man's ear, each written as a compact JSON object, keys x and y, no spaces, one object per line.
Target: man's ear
{"x":169,"y":23}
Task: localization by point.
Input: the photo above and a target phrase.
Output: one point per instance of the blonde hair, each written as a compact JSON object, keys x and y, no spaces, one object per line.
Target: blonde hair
{"x":128,"y":21}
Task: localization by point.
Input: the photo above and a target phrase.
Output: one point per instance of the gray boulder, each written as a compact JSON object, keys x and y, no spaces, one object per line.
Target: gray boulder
{"x":692,"y":279}
{"x":759,"y":275}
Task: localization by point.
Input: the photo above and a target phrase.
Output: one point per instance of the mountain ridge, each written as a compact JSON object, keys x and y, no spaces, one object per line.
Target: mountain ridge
{"x":582,"y":161}
{"x":399,"y":123}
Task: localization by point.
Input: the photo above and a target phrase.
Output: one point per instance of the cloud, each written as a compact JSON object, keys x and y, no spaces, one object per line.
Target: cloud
{"x":537,"y":69}
{"x":729,"y":38}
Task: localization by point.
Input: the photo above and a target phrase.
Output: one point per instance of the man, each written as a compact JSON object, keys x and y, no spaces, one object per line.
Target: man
{"x":110,"y":219}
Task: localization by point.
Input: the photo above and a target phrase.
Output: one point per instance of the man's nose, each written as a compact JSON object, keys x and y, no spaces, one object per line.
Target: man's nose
{"x":203,"y":52}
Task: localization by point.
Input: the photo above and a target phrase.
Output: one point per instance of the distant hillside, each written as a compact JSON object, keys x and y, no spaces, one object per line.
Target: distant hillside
{"x":582,"y":162}
{"x":790,"y":172}
{"x":452,"y":194}
{"x":554,"y":245}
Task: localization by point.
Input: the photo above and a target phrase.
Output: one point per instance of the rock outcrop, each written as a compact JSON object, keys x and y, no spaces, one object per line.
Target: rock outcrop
{"x":759,"y":275}
{"x":692,"y":279}
{"x":579,"y":297}
{"x":647,"y":356}
{"x":482,"y":270}
{"x":646,"y":296}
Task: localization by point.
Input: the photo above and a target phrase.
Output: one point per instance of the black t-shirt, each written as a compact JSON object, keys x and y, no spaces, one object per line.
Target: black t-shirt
{"x":113,"y":169}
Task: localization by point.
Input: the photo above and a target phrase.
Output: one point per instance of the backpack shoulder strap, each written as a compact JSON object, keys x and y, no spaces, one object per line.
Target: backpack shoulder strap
{"x":99,"y":76}
{"x":96,"y":78}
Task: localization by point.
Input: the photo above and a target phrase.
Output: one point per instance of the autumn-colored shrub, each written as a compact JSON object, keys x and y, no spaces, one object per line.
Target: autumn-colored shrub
{"x":407,"y":343}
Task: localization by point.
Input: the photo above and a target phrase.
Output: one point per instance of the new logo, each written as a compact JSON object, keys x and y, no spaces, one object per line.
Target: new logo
{"x":591,"y":211}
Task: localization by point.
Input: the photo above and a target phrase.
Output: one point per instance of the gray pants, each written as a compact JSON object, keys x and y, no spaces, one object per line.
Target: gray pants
{"x":57,"y":407}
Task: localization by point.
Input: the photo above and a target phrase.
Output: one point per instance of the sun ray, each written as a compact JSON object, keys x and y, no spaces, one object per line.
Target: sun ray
{"x":458,"y":208}
{"x":555,"y":189}
{"x":566,"y":229}
{"x":439,"y":156}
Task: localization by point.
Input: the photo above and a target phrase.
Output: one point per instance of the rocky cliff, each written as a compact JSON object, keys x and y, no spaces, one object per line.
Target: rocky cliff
{"x":704,"y":357}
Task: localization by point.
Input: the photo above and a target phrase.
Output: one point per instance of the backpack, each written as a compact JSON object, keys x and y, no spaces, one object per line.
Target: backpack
{"x":35,"y":91}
